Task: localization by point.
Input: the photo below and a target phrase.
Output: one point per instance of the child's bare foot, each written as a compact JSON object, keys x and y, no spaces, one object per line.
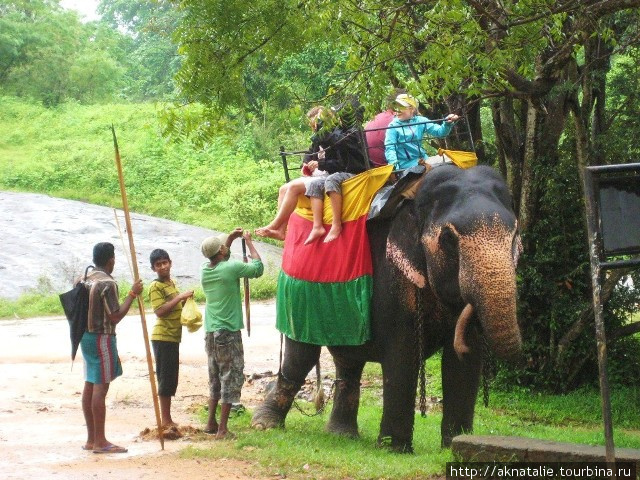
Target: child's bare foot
{"x":333,"y":233}
{"x":271,"y":233}
{"x":262,"y":231}
{"x":169,"y":424}
{"x":314,"y":234}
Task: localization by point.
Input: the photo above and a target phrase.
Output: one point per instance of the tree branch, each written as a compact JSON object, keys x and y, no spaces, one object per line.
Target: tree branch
{"x":623,"y":331}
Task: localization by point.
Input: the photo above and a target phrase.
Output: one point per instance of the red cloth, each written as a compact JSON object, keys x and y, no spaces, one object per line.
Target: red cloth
{"x":375,"y":140}
{"x":344,"y":259}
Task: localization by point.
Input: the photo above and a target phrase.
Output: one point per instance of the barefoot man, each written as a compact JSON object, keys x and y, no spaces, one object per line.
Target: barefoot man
{"x":99,"y":346}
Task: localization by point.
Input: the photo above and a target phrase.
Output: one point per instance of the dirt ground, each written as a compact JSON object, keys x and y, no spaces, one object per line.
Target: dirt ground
{"x":41,"y":423}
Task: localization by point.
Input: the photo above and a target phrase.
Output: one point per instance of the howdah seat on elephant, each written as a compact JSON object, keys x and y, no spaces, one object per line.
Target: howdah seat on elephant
{"x":442,"y":276}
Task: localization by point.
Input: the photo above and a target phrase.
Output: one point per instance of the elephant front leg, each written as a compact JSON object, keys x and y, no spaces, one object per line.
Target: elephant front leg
{"x":299,"y":359}
{"x":460,"y":382}
{"x":399,"y":393}
{"x":346,"y":396}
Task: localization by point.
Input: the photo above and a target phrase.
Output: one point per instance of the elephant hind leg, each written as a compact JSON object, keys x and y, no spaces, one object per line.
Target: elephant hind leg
{"x":273,"y":411}
{"x":344,"y":414}
{"x":346,"y":400}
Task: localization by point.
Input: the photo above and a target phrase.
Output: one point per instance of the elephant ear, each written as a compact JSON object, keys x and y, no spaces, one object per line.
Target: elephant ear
{"x":404,"y":249}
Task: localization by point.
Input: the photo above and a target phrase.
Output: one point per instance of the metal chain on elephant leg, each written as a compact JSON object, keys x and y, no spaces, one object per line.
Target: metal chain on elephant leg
{"x":422,"y":375}
{"x":488,"y":370}
{"x":319,"y":411}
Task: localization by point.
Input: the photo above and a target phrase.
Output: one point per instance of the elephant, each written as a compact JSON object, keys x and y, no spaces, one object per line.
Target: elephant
{"x":443,"y":278}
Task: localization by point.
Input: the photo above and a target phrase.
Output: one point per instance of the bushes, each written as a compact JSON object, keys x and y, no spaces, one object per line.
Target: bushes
{"x":68,"y":152}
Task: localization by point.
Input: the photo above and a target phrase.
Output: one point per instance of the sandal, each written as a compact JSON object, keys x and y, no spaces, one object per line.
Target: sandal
{"x":110,"y":449}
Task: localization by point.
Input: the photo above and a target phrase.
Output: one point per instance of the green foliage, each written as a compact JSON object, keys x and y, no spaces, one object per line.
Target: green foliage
{"x":218,"y":187}
{"x":52,"y":57}
{"x":47,"y":54}
{"x":264,"y":287}
{"x":29,"y":305}
{"x":622,"y":142}
{"x":151,"y":58}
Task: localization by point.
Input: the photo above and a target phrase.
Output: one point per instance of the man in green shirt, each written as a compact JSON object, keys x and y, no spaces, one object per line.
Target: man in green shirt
{"x":223,"y":321}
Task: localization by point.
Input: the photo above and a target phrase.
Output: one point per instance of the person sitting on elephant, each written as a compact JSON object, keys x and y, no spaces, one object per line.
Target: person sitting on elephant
{"x":403,"y":140}
{"x":289,"y":192}
{"x":332,"y":151}
{"x":342,"y":159}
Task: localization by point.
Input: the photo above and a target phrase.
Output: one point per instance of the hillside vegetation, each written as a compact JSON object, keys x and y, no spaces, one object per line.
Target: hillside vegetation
{"x":68,"y":152}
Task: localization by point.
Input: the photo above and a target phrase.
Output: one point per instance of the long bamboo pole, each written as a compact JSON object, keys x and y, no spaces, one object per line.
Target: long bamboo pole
{"x":247,"y":306}
{"x":134,"y":264}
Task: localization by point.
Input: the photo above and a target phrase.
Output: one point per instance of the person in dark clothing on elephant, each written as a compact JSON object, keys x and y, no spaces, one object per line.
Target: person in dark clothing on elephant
{"x":443,"y":278}
{"x":342,"y":158}
{"x":335,"y":150}
{"x":289,"y":192}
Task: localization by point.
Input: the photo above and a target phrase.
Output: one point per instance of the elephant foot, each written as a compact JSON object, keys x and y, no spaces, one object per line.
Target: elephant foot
{"x":273,"y":411}
{"x":343,"y":430}
{"x":394,"y":444}
{"x":344,"y":415}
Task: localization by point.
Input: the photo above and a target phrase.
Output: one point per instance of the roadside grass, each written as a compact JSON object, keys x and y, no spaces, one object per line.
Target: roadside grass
{"x":30,"y":305}
{"x":304,"y":450}
{"x":42,"y":301}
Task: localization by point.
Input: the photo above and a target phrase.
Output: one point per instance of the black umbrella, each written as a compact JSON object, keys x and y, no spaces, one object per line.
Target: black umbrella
{"x":75,"y":303}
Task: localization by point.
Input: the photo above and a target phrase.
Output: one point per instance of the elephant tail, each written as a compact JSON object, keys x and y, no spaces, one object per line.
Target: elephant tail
{"x":319,"y":398}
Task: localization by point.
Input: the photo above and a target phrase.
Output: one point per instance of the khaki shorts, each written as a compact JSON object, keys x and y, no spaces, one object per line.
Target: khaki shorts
{"x":226,"y":365}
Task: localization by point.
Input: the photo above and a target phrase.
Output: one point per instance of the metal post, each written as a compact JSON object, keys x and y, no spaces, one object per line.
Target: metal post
{"x":596,"y":277}
{"x":283,"y":155}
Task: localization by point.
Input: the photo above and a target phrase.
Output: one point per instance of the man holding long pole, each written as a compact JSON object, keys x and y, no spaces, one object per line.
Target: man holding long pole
{"x":136,"y":276}
{"x":99,"y":346}
{"x":223,"y":322}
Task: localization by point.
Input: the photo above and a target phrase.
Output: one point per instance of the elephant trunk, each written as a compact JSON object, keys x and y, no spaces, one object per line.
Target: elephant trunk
{"x":488,"y":283}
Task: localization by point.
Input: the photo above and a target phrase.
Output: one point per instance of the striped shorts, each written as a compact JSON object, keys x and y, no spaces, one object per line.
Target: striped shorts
{"x":101,"y":361}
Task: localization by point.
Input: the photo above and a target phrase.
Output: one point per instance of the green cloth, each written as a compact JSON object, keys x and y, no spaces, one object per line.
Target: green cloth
{"x":324,"y":313}
{"x":221,"y":287}
{"x":167,"y":328}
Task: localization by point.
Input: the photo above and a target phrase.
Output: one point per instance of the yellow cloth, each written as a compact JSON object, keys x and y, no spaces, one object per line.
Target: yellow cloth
{"x":460,"y":158}
{"x":357,"y":192}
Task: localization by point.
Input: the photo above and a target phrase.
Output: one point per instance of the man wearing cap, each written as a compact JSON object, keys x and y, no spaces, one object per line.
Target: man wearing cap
{"x":223,"y":322}
{"x":403,"y":140}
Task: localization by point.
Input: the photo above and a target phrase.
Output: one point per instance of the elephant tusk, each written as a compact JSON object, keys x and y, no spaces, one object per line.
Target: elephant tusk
{"x":459,"y":345}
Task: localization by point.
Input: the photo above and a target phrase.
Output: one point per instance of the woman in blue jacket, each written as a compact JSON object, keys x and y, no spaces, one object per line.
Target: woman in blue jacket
{"x":403,"y":140}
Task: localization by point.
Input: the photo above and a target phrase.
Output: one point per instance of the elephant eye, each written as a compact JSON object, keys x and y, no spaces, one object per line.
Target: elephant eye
{"x":448,"y":241}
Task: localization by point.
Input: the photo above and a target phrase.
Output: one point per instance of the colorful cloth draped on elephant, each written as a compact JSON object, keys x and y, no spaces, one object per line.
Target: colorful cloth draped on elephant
{"x":324,"y":289}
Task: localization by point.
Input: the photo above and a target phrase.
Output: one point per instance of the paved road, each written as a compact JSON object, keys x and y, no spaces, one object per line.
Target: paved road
{"x":48,"y":239}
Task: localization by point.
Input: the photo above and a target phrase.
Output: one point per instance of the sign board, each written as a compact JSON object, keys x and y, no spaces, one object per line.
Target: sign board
{"x":616,"y":190}
{"x":619,"y":201}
